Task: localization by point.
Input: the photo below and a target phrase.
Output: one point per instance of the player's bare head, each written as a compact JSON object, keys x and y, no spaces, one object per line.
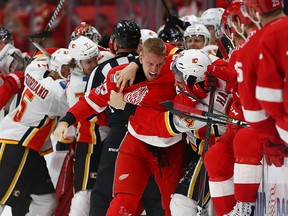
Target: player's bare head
{"x":154,"y":45}
{"x":153,"y":57}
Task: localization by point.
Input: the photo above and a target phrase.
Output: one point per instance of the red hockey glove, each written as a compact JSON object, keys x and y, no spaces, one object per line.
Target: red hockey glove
{"x":210,"y":82}
{"x":223,"y":73}
{"x":235,"y":113}
{"x":274,"y":153}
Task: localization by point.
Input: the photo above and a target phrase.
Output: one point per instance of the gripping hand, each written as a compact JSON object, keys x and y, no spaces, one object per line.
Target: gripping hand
{"x":274,"y":153}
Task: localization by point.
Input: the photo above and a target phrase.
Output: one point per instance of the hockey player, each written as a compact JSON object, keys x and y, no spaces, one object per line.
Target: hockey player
{"x":211,"y":18}
{"x":164,"y":129}
{"x":247,"y":168}
{"x":196,"y":36}
{"x":85,"y":56}
{"x":261,"y":119}
{"x":24,"y":139}
{"x":270,"y":83}
{"x":124,"y":42}
{"x":184,"y":198}
{"x":223,"y":187}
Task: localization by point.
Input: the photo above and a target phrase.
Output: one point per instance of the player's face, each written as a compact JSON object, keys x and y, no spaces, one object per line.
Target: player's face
{"x":195,"y":42}
{"x":179,"y":82}
{"x":65,"y":71}
{"x":152,"y":64}
{"x":89,"y":65}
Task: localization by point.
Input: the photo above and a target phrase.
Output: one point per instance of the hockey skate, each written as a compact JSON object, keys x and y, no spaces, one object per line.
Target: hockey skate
{"x":242,"y":209}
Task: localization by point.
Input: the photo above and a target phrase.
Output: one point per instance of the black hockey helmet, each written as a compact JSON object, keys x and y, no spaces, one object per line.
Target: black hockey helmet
{"x":5,"y":34}
{"x":127,"y":33}
{"x":170,"y":34}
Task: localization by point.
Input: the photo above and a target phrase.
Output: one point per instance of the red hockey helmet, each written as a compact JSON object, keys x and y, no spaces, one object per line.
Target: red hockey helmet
{"x":226,"y":25}
{"x":86,"y":30}
{"x":264,"y":6}
{"x":236,"y":11}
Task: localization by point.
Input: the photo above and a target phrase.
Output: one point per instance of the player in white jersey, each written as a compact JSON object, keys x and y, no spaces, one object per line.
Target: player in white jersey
{"x":24,"y":139}
{"x":211,"y":18}
{"x":85,"y":55}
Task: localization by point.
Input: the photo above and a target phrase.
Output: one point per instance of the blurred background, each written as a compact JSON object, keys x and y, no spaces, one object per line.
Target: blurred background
{"x":25,"y":17}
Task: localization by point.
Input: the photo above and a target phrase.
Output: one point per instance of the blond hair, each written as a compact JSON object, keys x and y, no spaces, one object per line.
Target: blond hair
{"x":154,"y":45}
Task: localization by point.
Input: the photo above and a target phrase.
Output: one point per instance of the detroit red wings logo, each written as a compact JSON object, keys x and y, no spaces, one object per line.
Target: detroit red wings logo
{"x":135,"y":97}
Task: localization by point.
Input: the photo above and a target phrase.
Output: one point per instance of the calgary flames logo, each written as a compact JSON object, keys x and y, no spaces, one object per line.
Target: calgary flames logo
{"x":194,"y":60}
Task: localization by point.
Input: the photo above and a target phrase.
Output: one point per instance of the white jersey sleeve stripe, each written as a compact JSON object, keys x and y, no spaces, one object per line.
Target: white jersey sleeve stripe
{"x":220,"y":189}
{"x":254,"y":115}
{"x":283,"y":133}
{"x":93,"y":105}
{"x":247,"y":174}
{"x":269,"y":94}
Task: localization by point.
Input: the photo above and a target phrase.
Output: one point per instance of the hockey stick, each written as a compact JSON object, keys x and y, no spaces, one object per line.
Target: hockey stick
{"x":203,"y":174}
{"x":40,"y":48}
{"x":169,"y":105}
{"x":199,"y":100}
{"x":222,"y":49}
{"x":49,"y":25}
{"x":223,"y":118}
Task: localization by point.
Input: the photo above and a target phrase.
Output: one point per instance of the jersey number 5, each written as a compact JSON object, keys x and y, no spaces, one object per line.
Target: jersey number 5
{"x":27,"y":96}
{"x":238,"y":68}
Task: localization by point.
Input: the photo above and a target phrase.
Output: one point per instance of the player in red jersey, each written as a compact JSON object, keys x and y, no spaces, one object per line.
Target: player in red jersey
{"x":226,"y":183}
{"x":267,"y":113}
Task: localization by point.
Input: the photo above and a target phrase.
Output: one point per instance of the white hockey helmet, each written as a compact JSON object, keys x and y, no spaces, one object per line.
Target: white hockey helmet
{"x":86,"y":30}
{"x":147,"y":33}
{"x":10,"y":58}
{"x":192,"y":62}
{"x":192,"y":19}
{"x":212,"y":16}
{"x":82,"y":48}
{"x":58,"y":58}
{"x":198,"y":29}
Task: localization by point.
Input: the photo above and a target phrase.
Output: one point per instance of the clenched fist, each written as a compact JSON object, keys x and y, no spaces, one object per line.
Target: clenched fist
{"x":61,"y":130}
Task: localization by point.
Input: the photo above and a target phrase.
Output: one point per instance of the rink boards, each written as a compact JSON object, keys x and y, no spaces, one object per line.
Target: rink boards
{"x":273,"y":192}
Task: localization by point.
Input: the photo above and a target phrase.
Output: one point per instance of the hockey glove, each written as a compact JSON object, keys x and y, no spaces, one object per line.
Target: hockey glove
{"x":235,"y":113}
{"x":223,"y":73}
{"x":175,"y":22}
{"x":210,"y":82}
{"x":274,"y":153}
